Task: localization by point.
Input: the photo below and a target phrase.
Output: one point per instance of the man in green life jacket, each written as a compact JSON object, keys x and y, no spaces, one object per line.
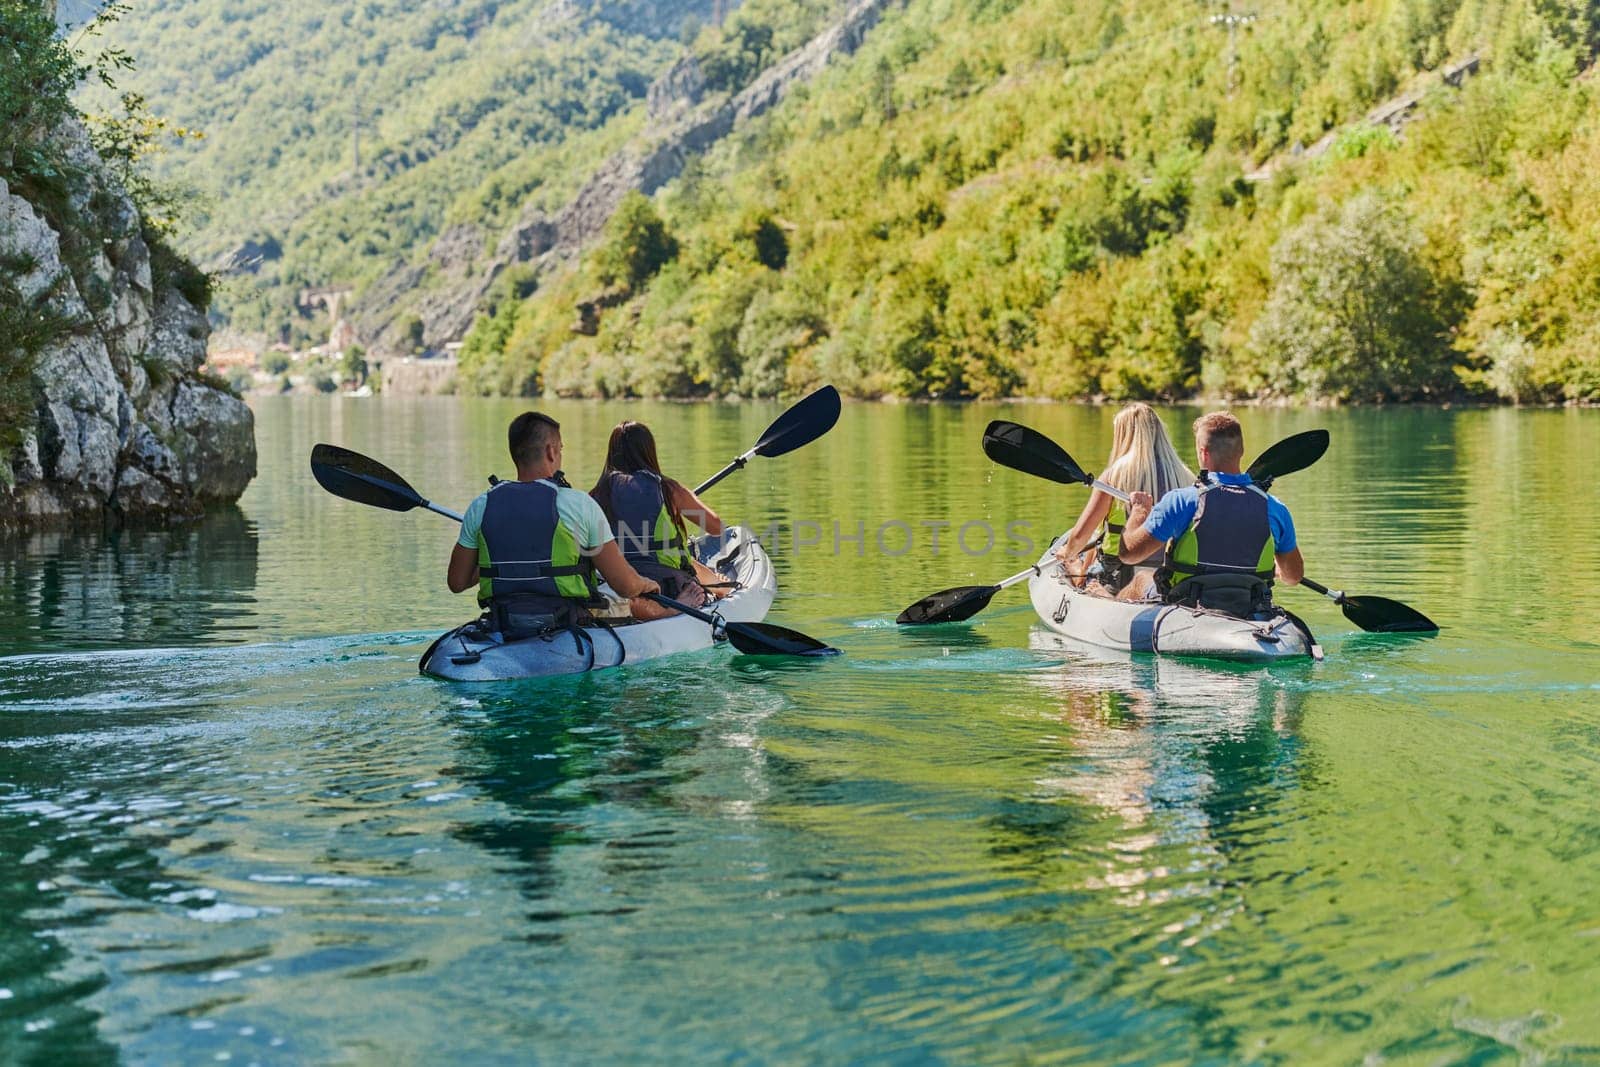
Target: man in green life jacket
{"x":1226,"y":538}
{"x":531,"y":546}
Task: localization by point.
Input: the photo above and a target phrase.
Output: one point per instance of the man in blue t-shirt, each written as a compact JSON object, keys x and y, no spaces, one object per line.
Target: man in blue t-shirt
{"x":1239,"y":534}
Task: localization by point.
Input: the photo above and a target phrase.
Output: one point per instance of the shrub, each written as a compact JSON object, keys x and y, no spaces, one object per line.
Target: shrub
{"x":169,"y":268}
{"x":1353,"y":312}
{"x":636,"y":245}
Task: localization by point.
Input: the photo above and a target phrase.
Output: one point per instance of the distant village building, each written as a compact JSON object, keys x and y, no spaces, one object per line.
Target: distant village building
{"x":227,"y":359}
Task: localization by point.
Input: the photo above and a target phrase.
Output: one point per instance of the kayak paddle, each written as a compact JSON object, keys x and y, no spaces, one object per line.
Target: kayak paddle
{"x":364,"y":480}
{"x":954,"y":605}
{"x":1376,"y":614}
{"x":1019,"y":447}
{"x":1014,"y":445}
{"x":1294,"y":453}
{"x":807,"y":420}
{"x":754,"y":638}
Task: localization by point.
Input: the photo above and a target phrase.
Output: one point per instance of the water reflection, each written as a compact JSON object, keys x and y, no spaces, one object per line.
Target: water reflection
{"x":1180,"y":748}
{"x":116,"y":588}
{"x":593,"y":774}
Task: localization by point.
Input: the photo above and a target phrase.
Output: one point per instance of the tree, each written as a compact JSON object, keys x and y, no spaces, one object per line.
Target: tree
{"x":355,"y":364}
{"x":767,"y":240}
{"x":637,"y":244}
{"x":1353,"y":312}
{"x":412,"y":332}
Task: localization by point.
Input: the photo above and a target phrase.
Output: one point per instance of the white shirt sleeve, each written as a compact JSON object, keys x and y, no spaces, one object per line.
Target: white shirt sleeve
{"x":472,"y":521}
{"x":585,"y":518}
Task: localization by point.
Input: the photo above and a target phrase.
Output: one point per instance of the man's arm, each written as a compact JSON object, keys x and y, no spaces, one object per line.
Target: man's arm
{"x":1137,"y":543}
{"x":1291,"y":567}
{"x":619,"y":573}
{"x":463,"y":572}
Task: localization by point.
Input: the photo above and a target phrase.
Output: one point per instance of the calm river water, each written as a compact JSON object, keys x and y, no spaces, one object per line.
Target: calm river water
{"x":236,"y":823}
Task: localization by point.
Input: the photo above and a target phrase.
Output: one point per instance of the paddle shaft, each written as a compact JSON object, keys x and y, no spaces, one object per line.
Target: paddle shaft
{"x":1110,"y":490}
{"x":1334,"y":595}
{"x":737,"y":464}
{"x":1020,"y":576}
{"x":693,"y":613}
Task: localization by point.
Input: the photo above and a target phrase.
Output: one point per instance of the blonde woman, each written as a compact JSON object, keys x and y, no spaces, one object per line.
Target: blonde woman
{"x":1142,"y":460}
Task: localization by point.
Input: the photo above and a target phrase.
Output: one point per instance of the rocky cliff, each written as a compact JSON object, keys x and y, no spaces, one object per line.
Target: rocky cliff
{"x":125,"y":424}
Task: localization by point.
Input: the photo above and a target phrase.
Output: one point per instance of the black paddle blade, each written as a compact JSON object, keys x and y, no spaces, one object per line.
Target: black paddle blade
{"x":1380,"y":615}
{"x":948,"y":605}
{"x":1294,"y":453}
{"x":801,"y":424}
{"x":1014,"y":445}
{"x":361,"y":478}
{"x":767,"y":639}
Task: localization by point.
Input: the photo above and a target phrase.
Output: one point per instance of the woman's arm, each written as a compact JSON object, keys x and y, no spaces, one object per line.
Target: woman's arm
{"x":690,"y":507}
{"x":1089,"y":520}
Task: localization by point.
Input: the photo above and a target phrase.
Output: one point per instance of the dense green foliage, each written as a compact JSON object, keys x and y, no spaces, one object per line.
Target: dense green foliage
{"x":37,"y":74}
{"x":1353,"y":309}
{"x":1009,"y":197}
{"x":465,"y":114}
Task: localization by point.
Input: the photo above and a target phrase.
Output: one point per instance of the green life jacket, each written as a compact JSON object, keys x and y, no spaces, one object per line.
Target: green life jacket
{"x":526,"y":553}
{"x":1225,"y":559}
{"x":1116,"y":523}
{"x":642,"y":522}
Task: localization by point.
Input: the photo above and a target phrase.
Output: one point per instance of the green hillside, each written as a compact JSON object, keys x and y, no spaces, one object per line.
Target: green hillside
{"x":464,"y":111}
{"x":998,"y":197}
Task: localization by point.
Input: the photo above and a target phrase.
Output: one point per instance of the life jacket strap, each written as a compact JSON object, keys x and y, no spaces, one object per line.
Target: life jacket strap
{"x":534,"y":571}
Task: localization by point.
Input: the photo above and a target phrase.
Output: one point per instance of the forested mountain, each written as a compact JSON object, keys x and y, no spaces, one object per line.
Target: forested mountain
{"x":987,"y":197}
{"x":459,"y":110}
{"x":1000,"y":197}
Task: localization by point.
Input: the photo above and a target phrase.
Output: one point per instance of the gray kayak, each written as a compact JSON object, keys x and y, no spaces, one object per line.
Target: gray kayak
{"x":1165,"y":629}
{"x":474,"y":653}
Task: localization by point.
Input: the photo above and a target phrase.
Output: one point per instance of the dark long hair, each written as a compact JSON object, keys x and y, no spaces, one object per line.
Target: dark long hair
{"x":633,"y":448}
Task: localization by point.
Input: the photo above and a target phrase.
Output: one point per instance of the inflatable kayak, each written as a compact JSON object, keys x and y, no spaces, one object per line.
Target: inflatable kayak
{"x":1166,"y":629}
{"x":473,"y":653}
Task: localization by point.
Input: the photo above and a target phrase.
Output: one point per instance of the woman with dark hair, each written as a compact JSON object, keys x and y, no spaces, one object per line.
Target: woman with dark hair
{"x":647,"y":511}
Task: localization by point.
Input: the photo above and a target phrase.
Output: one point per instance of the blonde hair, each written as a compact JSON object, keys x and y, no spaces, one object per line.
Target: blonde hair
{"x":1142,"y":457}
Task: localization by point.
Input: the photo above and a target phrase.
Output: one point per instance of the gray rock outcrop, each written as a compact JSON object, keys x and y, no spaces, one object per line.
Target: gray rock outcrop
{"x":126,"y":425}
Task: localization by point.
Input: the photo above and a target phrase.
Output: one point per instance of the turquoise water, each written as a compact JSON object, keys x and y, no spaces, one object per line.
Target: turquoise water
{"x":236,"y":823}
